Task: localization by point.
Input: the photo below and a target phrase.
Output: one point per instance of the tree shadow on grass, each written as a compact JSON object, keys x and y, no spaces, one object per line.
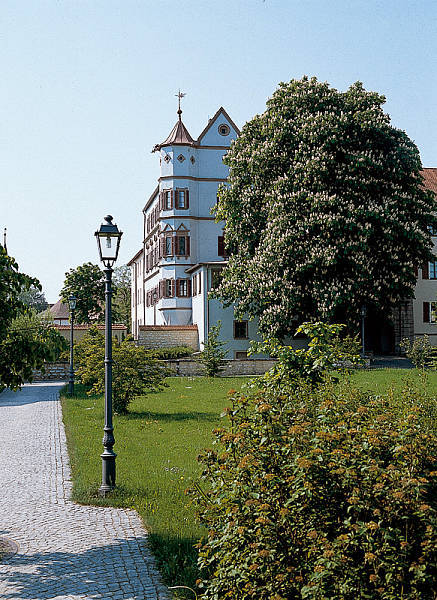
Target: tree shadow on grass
{"x":169,"y":417}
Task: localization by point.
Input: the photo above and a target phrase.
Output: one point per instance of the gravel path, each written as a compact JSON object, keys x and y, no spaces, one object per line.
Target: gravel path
{"x":66,"y":551}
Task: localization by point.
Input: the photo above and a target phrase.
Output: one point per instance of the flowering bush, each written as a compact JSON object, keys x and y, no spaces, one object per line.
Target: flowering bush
{"x":328,"y":494}
{"x":317,"y":490}
{"x":324,"y":209}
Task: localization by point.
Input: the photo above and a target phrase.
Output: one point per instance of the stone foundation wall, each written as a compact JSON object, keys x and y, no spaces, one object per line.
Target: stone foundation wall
{"x":246,"y":366}
{"x":57,"y":371}
{"x":165,"y":336}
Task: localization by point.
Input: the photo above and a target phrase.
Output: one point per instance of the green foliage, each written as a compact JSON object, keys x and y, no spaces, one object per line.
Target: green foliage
{"x":121,"y":305}
{"x":419,"y":351}
{"x":325,"y":209}
{"x":31,"y":341}
{"x":213,"y":353}
{"x":171,"y":353}
{"x":34,"y":298}
{"x":325,"y":351}
{"x":135,"y":371}
{"x":25,"y":341}
{"x":321,"y":491}
{"x":87,"y":283}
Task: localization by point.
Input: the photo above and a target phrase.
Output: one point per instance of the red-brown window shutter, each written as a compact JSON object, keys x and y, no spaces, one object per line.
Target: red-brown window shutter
{"x":187,"y":199}
{"x":173,"y":245}
{"x":177,"y":288}
{"x":426,"y":314}
{"x":425,"y":272}
{"x":189,"y":288}
{"x":162,"y":247}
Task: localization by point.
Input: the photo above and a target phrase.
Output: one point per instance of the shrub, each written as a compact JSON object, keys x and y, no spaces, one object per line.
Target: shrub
{"x":321,"y":491}
{"x":135,"y":371}
{"x":213,"y":353}
{"x":420,"y":351}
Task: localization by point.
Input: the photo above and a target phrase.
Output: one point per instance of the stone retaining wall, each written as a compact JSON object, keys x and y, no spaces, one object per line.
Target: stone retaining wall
{"x":57,"y":371}
{"x":166,"y":336}
{"x":245,"y":366}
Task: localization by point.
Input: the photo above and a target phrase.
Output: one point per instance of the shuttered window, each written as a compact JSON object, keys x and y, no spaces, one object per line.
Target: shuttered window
{"x":182,"y":199}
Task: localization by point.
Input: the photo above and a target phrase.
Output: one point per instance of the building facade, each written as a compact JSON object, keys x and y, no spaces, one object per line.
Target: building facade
{"x":183,"y":252}
{"x":183,"y":249}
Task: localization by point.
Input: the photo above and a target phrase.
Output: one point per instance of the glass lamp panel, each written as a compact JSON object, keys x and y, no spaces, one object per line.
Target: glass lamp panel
{"x":108,"y":246}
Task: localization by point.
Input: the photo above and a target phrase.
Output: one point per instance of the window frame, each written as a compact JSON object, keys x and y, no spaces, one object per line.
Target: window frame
{"x":237,"y":324}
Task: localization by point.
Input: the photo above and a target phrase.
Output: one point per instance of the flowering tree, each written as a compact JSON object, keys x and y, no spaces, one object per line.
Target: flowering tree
{"x":325,"y":209}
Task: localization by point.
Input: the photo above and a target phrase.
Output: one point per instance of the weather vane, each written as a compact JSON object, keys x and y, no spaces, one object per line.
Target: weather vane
{"x":179,"y":96}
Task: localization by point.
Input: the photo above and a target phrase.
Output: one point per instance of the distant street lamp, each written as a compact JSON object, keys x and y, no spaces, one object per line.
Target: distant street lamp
{"x":72,"y":304}
{"x":363,"y":343}
{"x":108,"y":242}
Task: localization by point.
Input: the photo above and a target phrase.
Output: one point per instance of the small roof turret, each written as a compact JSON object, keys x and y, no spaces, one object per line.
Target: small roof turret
{"x":179,"y":135}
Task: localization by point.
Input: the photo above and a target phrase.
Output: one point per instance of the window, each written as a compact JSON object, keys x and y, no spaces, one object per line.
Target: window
{"x":240,"y":355}
{"x":216,"y":277}
{"x":429,"y":312}
{"x":181,"y":200}
{"x":432,"y":229}
{"x":240,"y":330}
{"x":432,"y":269}
{"x":221,"y":249}
{"x":168,"y":249}
{"x":224,"y":129}
{"x":183,"y":288}
{"x":168,"y":200}
{"x":182,"y":243}
{"x":169,"y":288}
{"x":199,"y":282}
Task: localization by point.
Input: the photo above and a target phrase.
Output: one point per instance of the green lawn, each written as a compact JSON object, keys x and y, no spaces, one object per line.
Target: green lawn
{"x":156,"y":444}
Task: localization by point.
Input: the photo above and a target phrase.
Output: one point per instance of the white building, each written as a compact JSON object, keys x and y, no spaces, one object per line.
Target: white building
{"x":183,"y":248}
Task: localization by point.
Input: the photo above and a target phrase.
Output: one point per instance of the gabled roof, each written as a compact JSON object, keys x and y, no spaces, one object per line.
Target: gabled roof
{"x":134,"y":258}
{"x":430,"y":179}
{"x":60,"y":310}
{"x":221,"y":111}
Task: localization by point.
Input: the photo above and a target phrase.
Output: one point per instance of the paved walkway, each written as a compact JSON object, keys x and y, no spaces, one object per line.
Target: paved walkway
{"x":66,"y":551}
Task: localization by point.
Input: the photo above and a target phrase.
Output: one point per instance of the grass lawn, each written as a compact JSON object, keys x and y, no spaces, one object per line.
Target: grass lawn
{"x":156,"y":444}
{"x":380,"y":380}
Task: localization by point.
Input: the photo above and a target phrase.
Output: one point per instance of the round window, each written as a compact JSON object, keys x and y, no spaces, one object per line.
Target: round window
{"x":224,"y":129}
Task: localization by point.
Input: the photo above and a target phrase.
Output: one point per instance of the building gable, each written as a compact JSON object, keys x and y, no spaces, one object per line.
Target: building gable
{"x":220,"y":130}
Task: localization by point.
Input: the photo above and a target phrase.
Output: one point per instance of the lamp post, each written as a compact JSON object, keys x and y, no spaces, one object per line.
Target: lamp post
{"x":363,"y":343}
{"x":72,"y":304}
{"x":108,"y":242}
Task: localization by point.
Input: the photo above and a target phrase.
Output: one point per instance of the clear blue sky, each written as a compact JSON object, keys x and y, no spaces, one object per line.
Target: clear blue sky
{"x":87,"y":88}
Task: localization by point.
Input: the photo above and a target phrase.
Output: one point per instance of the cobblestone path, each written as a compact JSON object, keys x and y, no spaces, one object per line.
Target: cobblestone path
{"x":66,"y":551}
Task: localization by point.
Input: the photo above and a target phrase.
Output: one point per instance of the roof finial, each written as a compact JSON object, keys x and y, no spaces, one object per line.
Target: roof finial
{"x":180,"y":95}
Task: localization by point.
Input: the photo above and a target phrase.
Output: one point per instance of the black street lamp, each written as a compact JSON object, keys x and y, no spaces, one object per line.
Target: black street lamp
{"x":72,"y":304}
{"x":363,"y":344}
{"x":108,"y":242}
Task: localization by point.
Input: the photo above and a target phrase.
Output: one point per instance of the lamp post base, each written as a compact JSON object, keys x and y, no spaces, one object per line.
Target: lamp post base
{"x":108,"y":472}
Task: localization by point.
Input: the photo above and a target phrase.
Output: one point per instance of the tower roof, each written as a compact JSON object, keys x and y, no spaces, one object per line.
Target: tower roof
{"x":178,"y":135}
